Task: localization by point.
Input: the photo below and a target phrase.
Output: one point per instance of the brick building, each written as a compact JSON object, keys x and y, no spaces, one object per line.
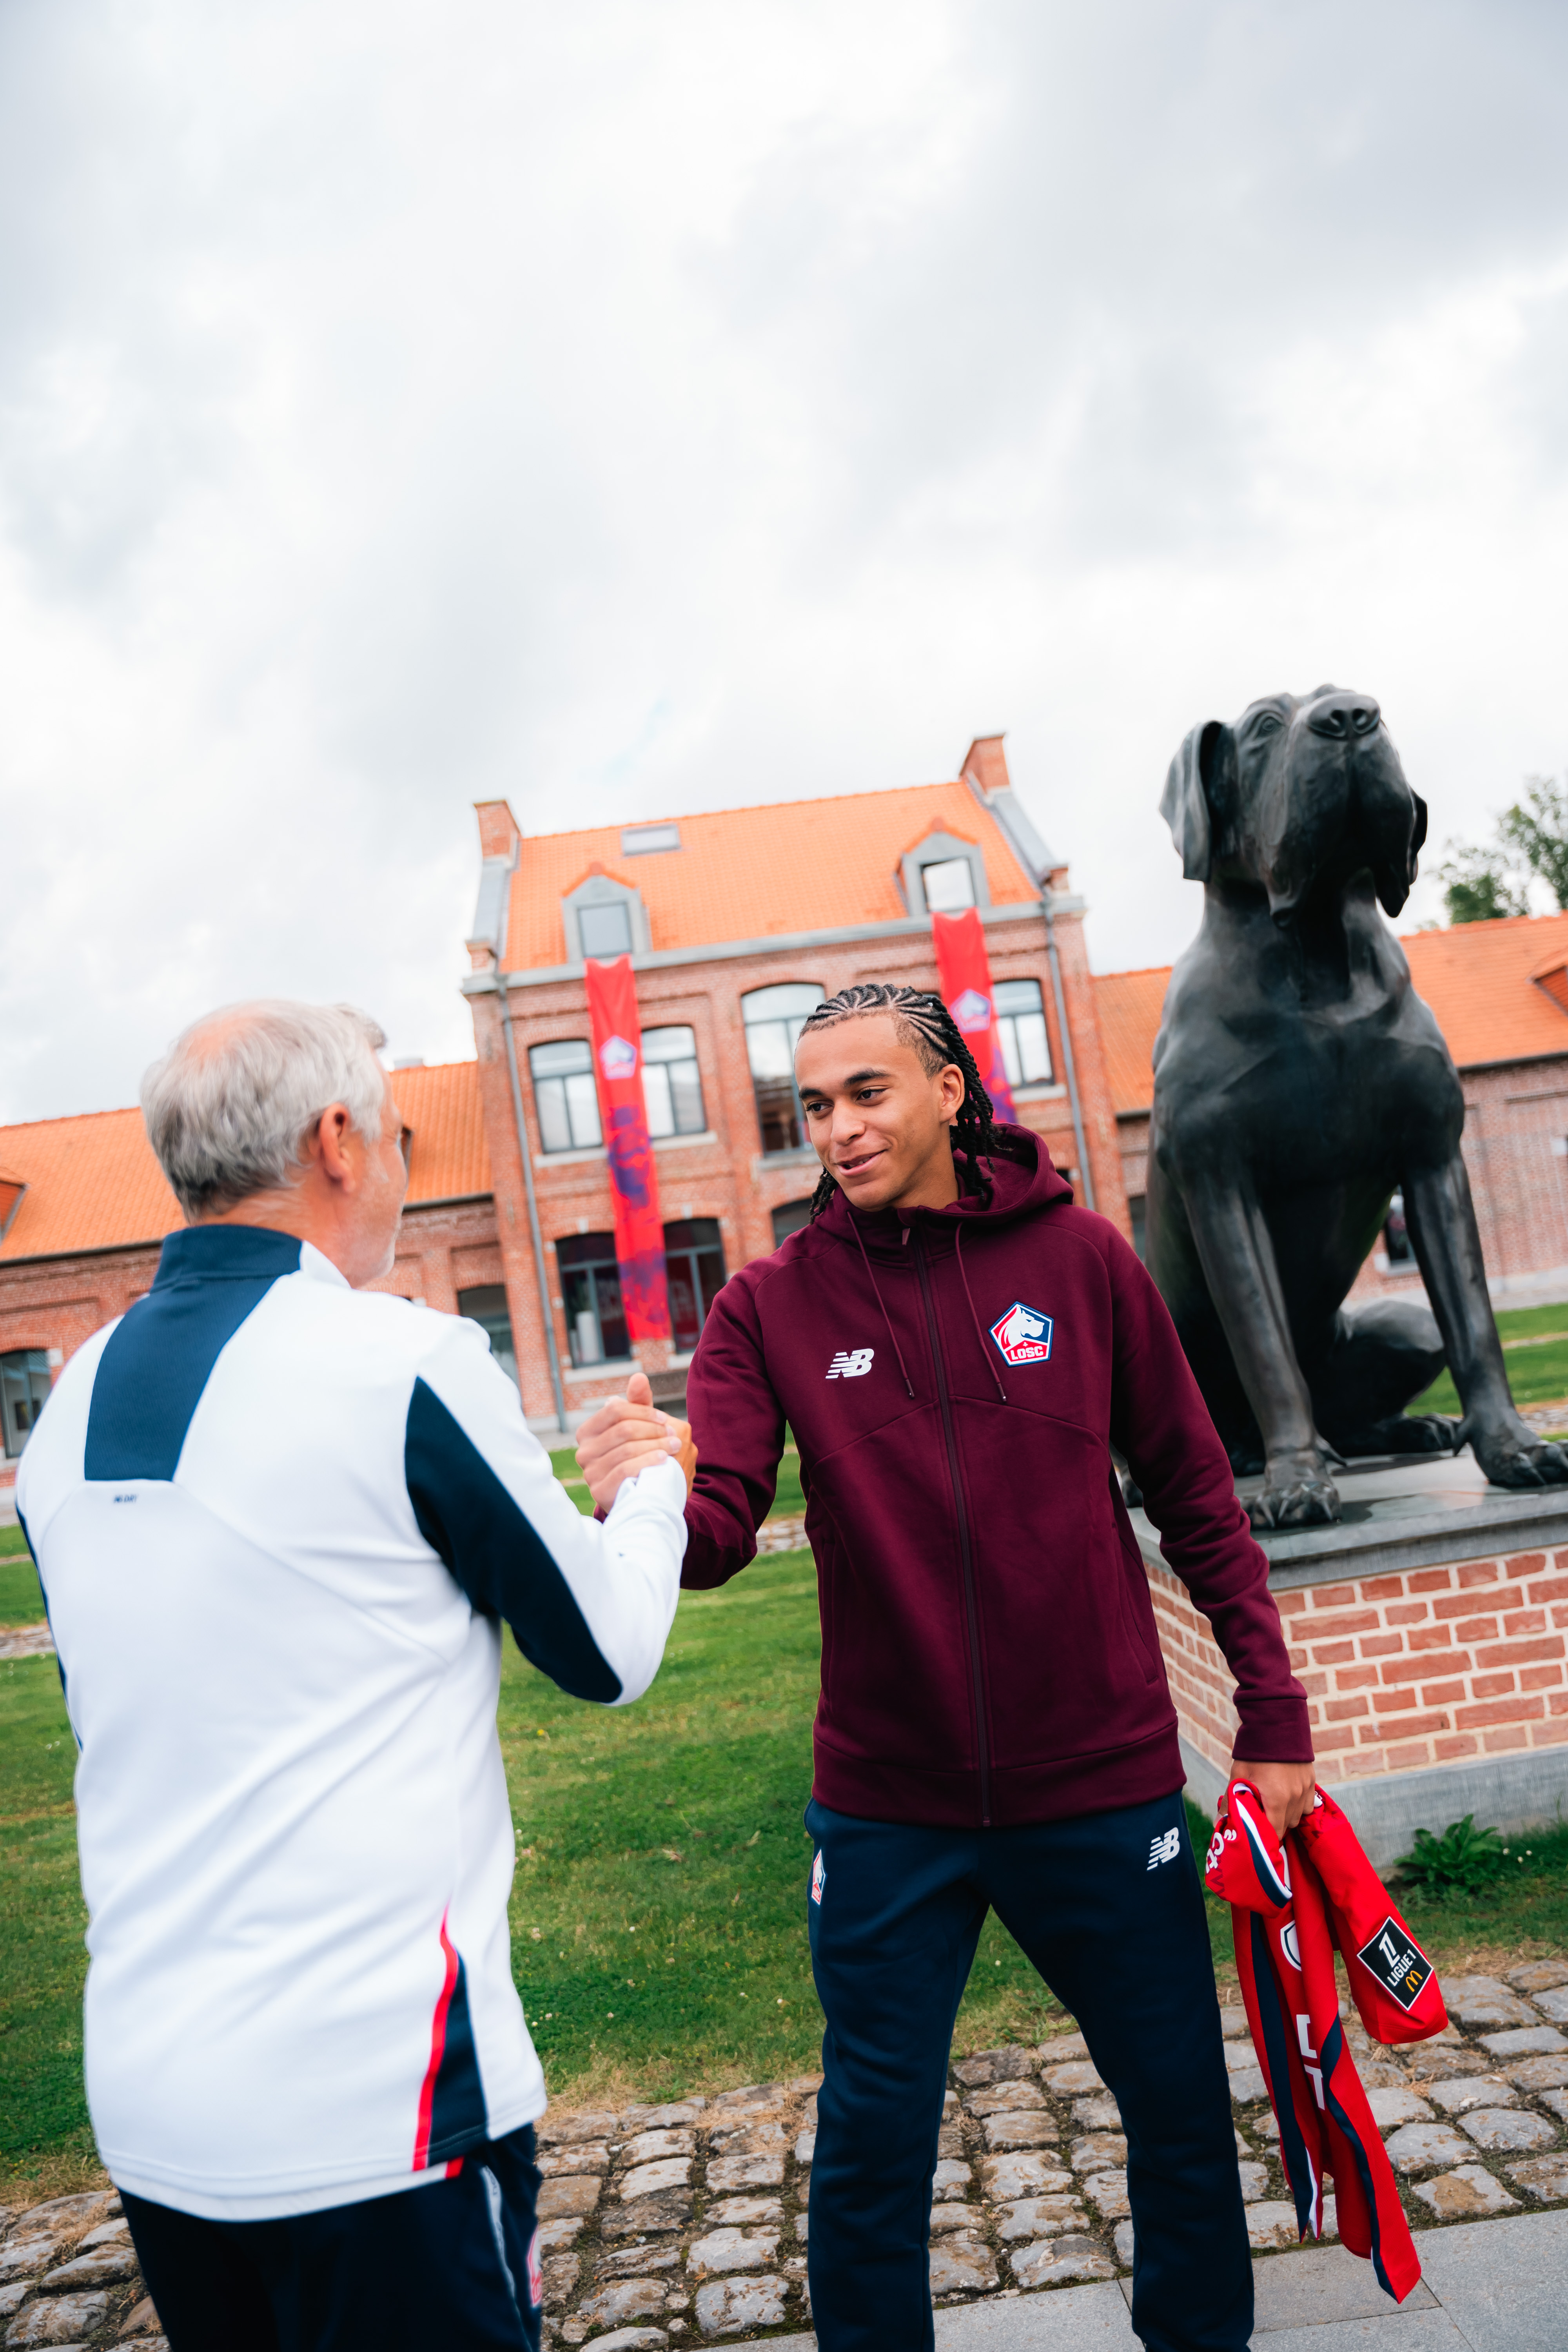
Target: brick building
{"x":1500,"y":991}
{"x":737,"y":923}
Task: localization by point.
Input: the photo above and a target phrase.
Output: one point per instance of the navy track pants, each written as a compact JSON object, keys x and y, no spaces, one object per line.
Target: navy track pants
{"x":1109,"y":1908}
{"x":446,"y":2264}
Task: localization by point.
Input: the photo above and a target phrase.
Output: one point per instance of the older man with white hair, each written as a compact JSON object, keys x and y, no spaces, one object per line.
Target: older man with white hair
{"x":278,"y":1521}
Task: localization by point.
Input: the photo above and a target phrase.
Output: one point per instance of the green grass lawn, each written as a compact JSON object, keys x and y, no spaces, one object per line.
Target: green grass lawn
{"x":21,"y":1602}
{"x":10,"y":1541}
{"x":1535,"y":1351}
{"x":646,"y":1972}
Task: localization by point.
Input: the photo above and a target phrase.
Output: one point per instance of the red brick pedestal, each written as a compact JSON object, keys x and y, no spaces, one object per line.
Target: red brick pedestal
{"x":1437,"y":1684}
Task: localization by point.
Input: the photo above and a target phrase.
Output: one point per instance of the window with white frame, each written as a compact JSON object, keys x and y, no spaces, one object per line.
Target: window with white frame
{"x":671,"y":1082}
{"x":487,"y":1306}
{"x":694,"y":1274}
{"x":565,"y":1095}
{"x":949,"y":886}
{"x":591,"y":1292}
{"x":1021,"y":1032}
{"x":23,"y":1393}
{"x":605,"y":930}
{"x":774,"y":1018}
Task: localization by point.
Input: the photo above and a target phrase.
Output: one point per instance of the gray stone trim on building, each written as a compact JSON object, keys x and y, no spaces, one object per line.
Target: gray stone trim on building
{"x":486,"y":984}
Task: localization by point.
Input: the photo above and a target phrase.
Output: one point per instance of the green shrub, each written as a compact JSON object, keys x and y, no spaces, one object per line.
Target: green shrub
{"x":1463,"y":1861}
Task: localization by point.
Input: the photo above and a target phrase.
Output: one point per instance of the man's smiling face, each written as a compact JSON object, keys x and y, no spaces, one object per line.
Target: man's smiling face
{"x":880,"y":1121}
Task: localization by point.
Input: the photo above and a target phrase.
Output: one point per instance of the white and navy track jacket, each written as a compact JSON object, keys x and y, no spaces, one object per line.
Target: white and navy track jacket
{"x":278,"y":1523}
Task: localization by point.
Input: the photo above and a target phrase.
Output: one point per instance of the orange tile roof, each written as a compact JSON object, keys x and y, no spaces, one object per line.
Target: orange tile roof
{"x":450,"y":1159}
{"x":1129,"y":1005}
{"x":93,"y":1182}
{"x":750,"y":873}
{"x":1489,"y":985}
{"x":1476,"y":978}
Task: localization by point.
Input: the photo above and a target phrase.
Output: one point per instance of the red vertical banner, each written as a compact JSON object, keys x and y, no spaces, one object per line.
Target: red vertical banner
{"x":966,"y":991}
{"x":617,"y":1063}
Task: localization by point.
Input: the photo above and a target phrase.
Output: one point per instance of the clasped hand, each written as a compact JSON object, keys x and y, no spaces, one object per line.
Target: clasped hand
{"x":628,"y":1434}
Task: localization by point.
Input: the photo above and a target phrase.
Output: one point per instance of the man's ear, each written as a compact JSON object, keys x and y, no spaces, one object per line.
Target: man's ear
{"x":1185,"y":802}
{"x":1419,"y":834}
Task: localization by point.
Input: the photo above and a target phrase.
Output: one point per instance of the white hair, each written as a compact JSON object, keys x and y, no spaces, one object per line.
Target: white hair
{"x":228,"y":1107}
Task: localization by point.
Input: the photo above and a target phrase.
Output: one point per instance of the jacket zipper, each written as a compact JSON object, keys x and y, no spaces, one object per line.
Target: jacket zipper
{"x":965,"y":1552}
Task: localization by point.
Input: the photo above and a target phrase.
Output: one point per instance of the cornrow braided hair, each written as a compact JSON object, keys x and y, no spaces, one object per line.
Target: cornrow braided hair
{"x":922,"y":1020}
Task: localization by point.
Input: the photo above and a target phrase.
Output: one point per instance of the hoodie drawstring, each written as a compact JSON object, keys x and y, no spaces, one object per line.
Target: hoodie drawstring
{"x":958,"y":1252}
{"x":887,"y":1318}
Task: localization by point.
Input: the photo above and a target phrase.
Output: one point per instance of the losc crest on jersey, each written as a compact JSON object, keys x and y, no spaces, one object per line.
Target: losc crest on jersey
{"x":851,"y":1364}
{"x":1022,"y":1334}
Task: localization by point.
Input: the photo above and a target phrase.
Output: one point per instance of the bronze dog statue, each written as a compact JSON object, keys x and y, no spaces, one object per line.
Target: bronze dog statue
{"x":1299,"y":1079}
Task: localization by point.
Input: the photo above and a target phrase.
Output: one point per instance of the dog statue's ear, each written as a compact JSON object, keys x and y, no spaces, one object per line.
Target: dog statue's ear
{"x":1185,"y":802}
{"x":1419,"y":835}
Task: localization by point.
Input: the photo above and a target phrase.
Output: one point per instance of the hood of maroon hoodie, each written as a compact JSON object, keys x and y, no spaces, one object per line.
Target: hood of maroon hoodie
{"x":954,"y":1380}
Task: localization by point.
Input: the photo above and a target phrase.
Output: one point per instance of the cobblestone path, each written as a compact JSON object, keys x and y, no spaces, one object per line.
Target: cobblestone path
{"x":686,"y":2223}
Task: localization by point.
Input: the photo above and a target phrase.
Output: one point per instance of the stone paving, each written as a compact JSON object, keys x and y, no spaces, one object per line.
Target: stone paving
{"x":686,"y":2223}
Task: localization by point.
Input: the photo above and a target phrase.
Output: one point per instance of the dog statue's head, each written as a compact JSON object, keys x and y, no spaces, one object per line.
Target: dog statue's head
{"x":1301,"y":788}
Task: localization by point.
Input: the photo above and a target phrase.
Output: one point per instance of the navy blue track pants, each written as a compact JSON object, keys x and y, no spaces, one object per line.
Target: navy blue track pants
{"x":1109,"y":1908}
{"x":446,"y":2264}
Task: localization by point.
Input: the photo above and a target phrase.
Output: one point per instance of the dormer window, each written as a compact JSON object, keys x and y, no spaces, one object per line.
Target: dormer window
{"x":949,"y":886}
{"x":943,"y":874}
{"x":606,"y":931}
{"x":604,"y":918}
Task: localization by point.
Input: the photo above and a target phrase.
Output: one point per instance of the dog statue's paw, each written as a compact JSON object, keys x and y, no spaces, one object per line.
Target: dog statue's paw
{"x":1297,"y":1492}
{"x":1512,"y":1455}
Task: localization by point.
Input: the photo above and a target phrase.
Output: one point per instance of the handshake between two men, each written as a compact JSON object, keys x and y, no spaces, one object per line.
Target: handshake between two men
{"x":628,"y":1435}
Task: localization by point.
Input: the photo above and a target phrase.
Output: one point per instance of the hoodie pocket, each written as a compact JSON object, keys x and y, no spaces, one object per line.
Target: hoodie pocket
{"x":1136,"y":1606}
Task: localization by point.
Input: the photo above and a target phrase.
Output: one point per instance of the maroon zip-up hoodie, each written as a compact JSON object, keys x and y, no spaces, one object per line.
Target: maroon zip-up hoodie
{"x":989,"y":1652}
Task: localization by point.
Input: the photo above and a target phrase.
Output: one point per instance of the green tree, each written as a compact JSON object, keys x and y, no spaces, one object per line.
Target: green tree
{"x":1477,"y":885}
{"x":1483,"y":880}
{"x":1537,"y":828}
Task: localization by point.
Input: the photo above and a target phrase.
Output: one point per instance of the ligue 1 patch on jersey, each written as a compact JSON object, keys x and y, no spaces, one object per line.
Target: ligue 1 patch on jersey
{"x":1022,"y":1334}
{"x":1400,"y":1969}
{"x":819,"y":1876}
{"x":617,"y":1059}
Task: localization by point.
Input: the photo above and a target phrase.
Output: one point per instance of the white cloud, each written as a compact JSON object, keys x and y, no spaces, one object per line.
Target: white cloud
{"x":630,"y":410}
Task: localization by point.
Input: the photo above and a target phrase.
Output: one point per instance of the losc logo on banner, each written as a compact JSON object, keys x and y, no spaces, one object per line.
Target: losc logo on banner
{"x":617,"y":1059}
{"x":1022,"y":1334}
{"x":1396,"y":1963}
{"x":970,"y":1010}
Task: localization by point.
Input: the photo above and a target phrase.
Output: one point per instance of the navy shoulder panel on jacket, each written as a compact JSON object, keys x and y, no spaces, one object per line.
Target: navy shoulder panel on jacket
{"x":153,"y":1370}
{"x":466,"y":1514}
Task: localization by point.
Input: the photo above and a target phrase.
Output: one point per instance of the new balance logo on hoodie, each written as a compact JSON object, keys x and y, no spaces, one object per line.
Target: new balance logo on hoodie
{"x":851,"y":1364}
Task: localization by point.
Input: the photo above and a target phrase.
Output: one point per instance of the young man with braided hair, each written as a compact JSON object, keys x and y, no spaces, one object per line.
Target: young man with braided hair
{"x":957,"y":1347}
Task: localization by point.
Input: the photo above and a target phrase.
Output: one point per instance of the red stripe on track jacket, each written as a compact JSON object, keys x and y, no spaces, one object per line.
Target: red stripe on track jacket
{"x":1289,"y":1911}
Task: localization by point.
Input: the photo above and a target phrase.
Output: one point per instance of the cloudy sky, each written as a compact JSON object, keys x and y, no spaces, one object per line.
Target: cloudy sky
{"x":630,"y":409}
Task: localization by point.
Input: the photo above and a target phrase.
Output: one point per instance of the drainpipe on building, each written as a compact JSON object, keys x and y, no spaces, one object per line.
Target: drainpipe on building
{"x":1068,"y":1070}
{"x":538,"y":1266}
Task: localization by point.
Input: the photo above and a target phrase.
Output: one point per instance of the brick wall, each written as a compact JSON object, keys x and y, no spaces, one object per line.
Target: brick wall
{"x":1436,"y":1665}
{"x":56,"y":1303}
{"x":725,"y":1176}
